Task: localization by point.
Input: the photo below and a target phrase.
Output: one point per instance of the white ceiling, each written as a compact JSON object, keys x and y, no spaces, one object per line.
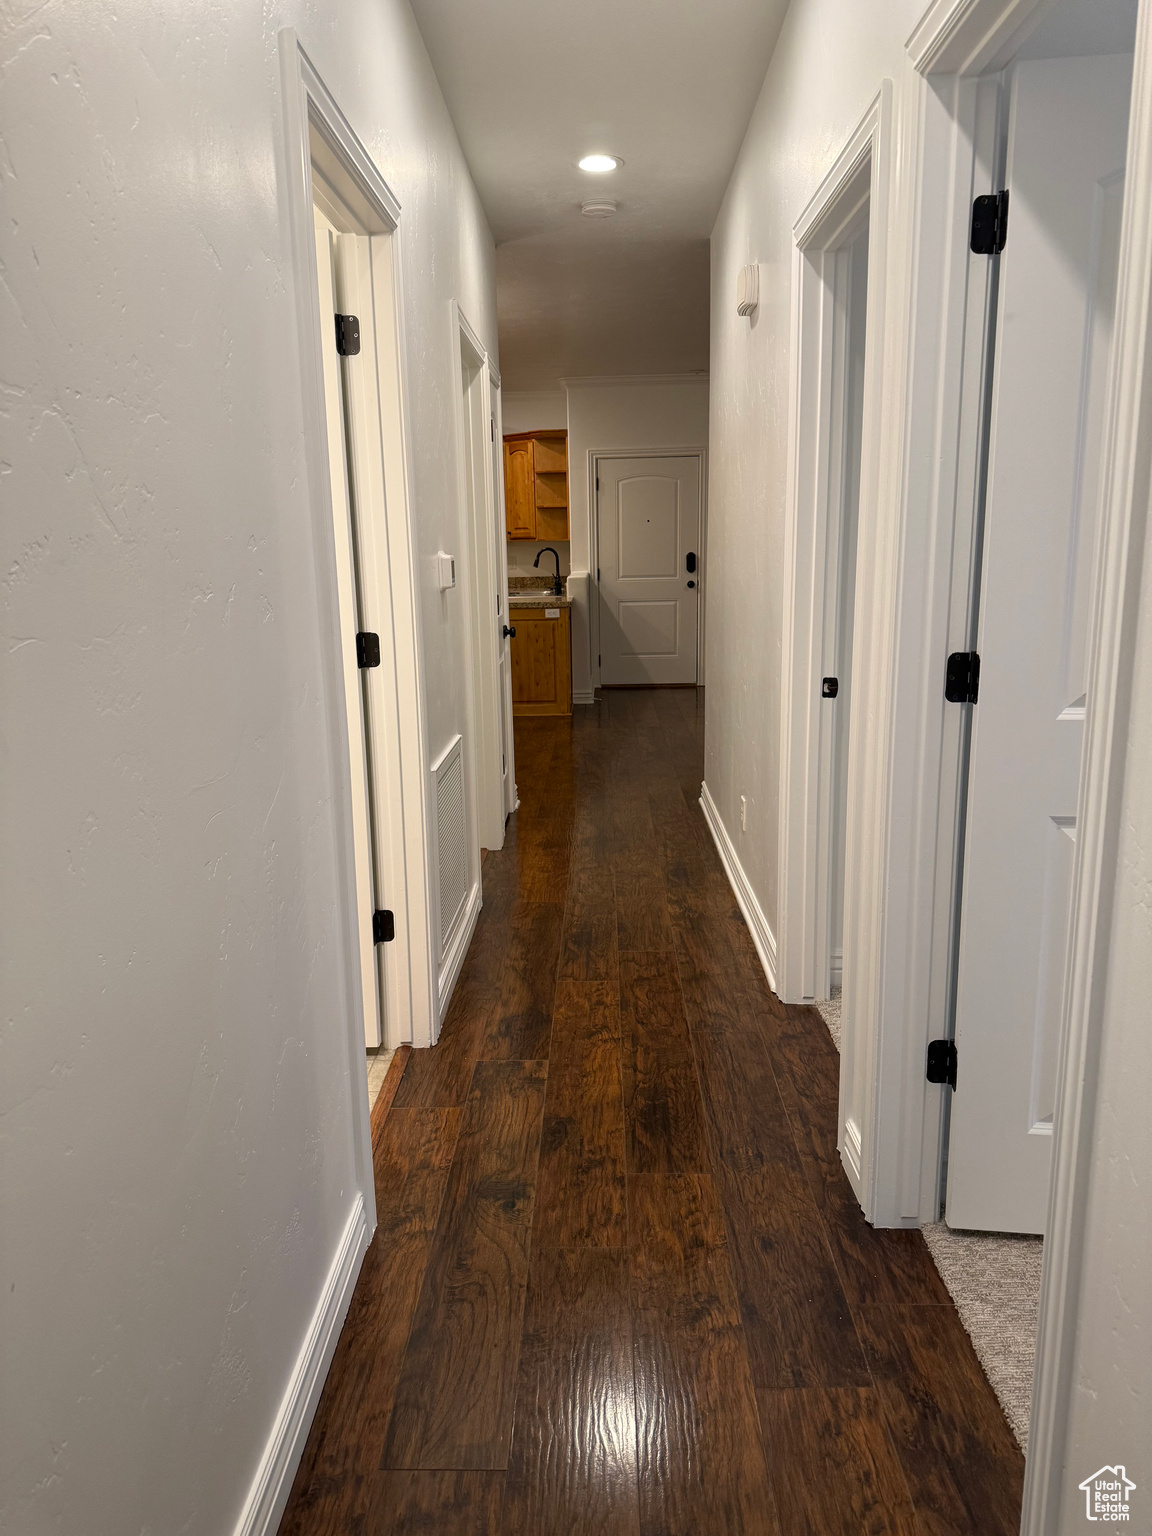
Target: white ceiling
{"x":532,"y":85}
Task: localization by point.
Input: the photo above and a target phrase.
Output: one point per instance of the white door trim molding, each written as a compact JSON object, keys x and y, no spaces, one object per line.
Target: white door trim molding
{"x":405,"y":831}
{"x":971,"y":37}
{"x":758,"y":925}
{"x":898,"y":922}
{"x":272,"y":1484}
{"x":672,"y":452}
{"x":1122,"y":597}
{"x":858,"y":179}
{"x":480,"y":559}
{"x":454,"y":934}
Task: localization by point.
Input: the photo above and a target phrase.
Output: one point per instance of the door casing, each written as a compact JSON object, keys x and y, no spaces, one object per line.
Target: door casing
{"x":823,"y":240}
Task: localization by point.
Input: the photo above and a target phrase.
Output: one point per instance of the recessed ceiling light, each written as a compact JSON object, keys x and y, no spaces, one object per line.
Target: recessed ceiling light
{"x":600,"y":163}
{"x":602,"y":208}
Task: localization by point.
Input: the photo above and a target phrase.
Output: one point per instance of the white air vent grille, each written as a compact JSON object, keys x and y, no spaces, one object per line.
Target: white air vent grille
{"x":451,"y":839}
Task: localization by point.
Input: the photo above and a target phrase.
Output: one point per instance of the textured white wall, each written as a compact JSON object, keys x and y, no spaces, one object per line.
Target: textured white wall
{"x":1110,"y":1413}
{"x":525,"y":412}
{"x":621,"y":414}
{"x":174,"y":1081}
{"x":829,"y":64}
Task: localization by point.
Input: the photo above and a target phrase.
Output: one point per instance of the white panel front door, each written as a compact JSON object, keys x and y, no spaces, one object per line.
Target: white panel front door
{"x":1067,"y":138}
{"x":649,"y":543}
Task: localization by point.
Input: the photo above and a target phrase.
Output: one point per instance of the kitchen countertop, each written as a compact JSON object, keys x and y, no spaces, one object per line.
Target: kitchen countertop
{"x":535,"y":598}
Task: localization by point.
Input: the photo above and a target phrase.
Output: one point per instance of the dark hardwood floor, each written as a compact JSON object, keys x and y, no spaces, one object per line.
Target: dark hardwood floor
{"x":620,"y":1285}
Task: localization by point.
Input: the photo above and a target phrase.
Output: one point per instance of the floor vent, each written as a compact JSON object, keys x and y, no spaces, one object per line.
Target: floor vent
{"x":451,"y":839}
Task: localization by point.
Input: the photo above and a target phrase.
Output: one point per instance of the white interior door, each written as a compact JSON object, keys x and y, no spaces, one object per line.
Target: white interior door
{"x":343,"y":511}
{"x":648,"y":512}
{"x":1067,"y":136}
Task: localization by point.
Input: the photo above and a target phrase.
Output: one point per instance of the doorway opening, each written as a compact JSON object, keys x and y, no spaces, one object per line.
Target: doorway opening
{"x":343,"y":220}
{"x":847,"y":270}
{"x":482,"y":501}
{"x":336,"y":235}
{"x":1024,"y":576}
{"x":837,"y":277}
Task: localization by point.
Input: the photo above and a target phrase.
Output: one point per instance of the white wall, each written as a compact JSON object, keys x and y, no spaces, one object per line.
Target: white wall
{"x":528,"y":412}
{"x":615,"y":414}
{"x":174,"y":1120}
{"x":829,"y":64}
{"x":522,"y":552}
{"x":1110,"y":1411}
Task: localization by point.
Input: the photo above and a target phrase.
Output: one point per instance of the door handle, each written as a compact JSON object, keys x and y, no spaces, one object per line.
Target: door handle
{"x":691,"y":583}
{"x":690,"y":561}
{"x":509,"y":631}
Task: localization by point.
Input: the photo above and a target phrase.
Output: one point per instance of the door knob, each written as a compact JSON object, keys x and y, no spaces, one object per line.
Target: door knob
{"x":509,"y":631}
{"x":691,"y":583}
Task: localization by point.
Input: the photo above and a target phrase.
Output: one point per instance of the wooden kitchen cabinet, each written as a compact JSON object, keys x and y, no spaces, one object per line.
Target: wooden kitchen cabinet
{"x":536,"y":485}
{"x":541,"y":662}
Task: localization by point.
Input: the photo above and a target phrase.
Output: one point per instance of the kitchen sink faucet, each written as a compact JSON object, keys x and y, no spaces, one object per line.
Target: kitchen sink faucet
{"x":548,"y":550}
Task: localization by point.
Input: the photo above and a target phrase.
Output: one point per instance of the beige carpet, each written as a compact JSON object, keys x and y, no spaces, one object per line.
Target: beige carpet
{"x":994,"y":1279}
{"x":830,"y":1012}
{"x":377,"y":1071}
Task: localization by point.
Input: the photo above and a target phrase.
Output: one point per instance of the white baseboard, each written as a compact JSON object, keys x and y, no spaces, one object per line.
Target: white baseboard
{"x":583,"y":695}
{"x":762,"y":935}
{"x":457,"y":949}
{"x":853,"y":1151}
{"x":273,"y":1481}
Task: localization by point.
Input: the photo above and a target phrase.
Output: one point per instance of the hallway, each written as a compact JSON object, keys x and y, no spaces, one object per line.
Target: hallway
{"x":620,"y":1283}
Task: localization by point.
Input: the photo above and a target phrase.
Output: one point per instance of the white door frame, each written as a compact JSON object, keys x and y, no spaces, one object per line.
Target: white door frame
{"x":906,"y":790}
{"x":500,"y":532}
{"x":340,"y":291}
{"x":1089,"y":1020}
{"x":594,"y":457}
{"x":485,"y":554}
{"x":402,"y":811}
{"x":858,"y":181}
{"x":892,"y":1011}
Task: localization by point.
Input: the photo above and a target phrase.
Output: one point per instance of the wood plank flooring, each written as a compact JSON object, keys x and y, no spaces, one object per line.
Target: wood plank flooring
{"x":620,"y":1285}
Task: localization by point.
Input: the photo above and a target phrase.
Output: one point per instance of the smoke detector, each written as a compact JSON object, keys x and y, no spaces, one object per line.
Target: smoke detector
{"x":747,"y":290}
{"x":601,"y":208}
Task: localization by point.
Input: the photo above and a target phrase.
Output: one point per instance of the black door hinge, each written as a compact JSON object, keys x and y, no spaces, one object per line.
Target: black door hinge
{"x":493,"y":429}
{"x":941,"y":1062}
{"x":829,"y":687}
{"x":347,"y":335}
{"x":367,"y":649}
{"x":989,"y":232}
{"x":962,"y":679}
{"x":383,"y":927}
